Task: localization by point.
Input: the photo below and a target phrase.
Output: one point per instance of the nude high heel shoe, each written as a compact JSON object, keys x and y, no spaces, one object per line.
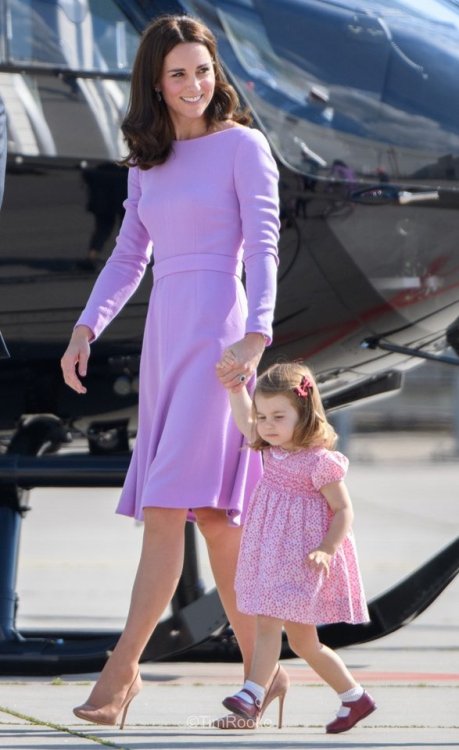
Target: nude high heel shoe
{"x":109,"y":714}
{"x":254,"y":711}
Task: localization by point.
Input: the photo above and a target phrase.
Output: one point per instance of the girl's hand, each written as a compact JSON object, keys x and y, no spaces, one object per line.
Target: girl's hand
{"x":320,"y":560}
{"x":76,"y":356}
{"x":240,"y":360}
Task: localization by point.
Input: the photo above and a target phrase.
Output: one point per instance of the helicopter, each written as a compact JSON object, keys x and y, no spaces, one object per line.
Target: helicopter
{"x":357,"y":100}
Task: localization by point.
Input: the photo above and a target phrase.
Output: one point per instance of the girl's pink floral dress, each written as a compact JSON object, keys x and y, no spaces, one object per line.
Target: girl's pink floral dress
{"x":287,"y":518}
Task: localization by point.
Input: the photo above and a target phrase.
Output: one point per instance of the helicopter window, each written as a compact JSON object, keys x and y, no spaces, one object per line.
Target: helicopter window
{"x":363,"y":91}
{"x":86,"y":35}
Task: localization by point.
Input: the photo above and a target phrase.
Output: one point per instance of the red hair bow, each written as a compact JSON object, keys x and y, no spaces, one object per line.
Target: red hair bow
{"x":302,"y":390}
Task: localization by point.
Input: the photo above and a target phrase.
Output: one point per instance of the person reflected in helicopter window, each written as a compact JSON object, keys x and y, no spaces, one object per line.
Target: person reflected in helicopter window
{"x":3,"y":145}
{"x":203,"y":188}
{"x":106,"y":186}
{"x":342,"y":179}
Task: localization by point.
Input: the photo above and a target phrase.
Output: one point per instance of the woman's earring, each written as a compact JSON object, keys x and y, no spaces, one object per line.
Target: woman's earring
{"x":158,"y":95}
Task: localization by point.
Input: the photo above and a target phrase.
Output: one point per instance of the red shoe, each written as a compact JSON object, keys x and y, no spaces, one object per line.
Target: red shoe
{"x":253,"y":712}
{"x":240,"y":707}
{"x":364,"y":706}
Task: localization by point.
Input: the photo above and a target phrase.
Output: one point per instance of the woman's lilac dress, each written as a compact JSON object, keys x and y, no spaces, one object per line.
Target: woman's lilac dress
{"x":209,"y":211}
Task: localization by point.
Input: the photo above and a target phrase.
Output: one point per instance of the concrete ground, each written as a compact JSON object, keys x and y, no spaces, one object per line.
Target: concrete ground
{"x":76,"y":567}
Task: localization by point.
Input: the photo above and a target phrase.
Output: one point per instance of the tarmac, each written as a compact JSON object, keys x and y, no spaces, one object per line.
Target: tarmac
{"x":76,"y":566}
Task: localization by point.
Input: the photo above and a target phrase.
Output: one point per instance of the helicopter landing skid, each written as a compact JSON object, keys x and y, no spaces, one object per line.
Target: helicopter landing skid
{"x":197,"y":616}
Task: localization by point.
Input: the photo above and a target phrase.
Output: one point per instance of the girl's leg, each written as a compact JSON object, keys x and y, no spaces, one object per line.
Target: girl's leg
{"x":267,"y":649}
{"x":356,"y":703}
{"x":267,"y":680}
{"x":223,"y":546}
{"x":158,"y":573}
{"x":304,"y":641}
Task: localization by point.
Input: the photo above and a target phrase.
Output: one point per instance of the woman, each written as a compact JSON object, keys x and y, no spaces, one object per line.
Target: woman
{"x":202,"y":188}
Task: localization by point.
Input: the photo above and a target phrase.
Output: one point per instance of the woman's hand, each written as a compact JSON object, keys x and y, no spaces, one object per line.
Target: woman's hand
{"x":240,"y":360}
{"x":76,"y":356}
{"x":320,"y":560}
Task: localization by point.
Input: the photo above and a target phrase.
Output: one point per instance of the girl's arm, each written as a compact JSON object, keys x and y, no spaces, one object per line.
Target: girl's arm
{"x":241,"y":407}
{"x":338,"y":499}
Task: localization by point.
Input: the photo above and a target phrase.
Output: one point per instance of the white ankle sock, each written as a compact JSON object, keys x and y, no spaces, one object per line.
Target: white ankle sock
{"x":353,"y":694}
{"x":257,"y":690}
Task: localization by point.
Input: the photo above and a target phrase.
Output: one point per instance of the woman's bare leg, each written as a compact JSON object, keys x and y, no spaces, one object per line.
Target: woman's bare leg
{"x":223,"y":545}
{"x":304,"y":641}
{"x":158,"y":572}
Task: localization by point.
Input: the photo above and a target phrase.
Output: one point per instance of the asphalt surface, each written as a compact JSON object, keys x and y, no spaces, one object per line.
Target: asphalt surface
{"x":75,"y":571}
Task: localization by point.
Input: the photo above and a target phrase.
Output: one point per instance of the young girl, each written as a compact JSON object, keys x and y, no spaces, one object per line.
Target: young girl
{"x":297,"y":564}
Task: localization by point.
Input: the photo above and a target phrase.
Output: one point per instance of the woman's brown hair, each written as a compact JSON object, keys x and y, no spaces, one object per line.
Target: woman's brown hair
{"x":296,"y":381}
{"x":147,"y":126}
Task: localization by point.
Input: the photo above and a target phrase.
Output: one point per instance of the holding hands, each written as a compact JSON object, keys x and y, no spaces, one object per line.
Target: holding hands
{"x":239,"y":361}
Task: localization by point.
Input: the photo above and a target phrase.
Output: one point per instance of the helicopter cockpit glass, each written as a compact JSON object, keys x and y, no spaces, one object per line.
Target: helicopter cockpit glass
{"x":65,"y":69}
{"x":355,"y":98}
{"x":89,"y":35}
{"x":386,"y":114}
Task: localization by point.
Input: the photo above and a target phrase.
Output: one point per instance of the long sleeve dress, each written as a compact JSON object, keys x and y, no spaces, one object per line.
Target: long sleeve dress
{"x":208,"y":212}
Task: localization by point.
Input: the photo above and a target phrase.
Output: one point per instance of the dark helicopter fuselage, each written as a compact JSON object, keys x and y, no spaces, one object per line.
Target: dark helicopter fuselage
{"x":358,"y":101}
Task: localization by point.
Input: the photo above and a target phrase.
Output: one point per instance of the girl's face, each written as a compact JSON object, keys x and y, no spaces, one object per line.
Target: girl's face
{"x":187,"y":85}
{"x":276,"y":419}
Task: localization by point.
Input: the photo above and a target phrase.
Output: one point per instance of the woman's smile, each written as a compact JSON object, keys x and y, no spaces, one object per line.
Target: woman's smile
{"x":191,"y":99}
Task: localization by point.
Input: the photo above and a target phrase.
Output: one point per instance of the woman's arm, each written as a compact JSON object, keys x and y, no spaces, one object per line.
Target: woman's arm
{"x":340,"y":503}
{"x":256,"y":183}
{"x":256,"y":180}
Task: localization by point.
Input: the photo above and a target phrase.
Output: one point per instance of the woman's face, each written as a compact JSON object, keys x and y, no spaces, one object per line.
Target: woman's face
{"x":187,"y":83}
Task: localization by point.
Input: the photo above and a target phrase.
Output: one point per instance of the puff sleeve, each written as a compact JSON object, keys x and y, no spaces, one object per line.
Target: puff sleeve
{"x":331,"y":467}
{"x":125,"y":268}
{"x":256,"y":181}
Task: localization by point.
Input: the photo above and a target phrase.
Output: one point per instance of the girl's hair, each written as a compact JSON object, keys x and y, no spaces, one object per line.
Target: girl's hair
{"x":147,"y":126}
{"x":296,"y":382}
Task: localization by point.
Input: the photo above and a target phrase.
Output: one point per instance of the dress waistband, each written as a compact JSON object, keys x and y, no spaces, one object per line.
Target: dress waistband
{"x":197,"y":262}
